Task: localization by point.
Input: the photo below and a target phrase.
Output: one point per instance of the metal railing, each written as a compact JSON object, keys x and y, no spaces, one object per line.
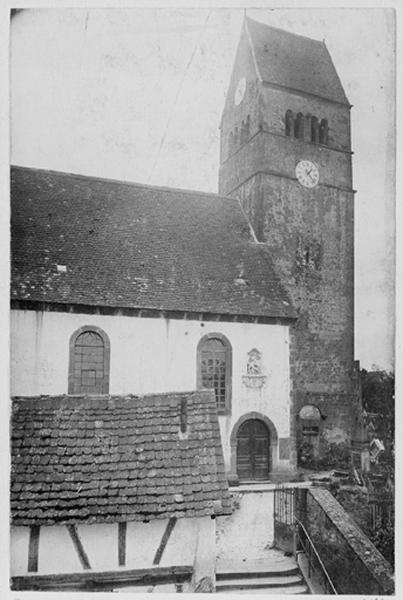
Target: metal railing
{"x":315,"y":563}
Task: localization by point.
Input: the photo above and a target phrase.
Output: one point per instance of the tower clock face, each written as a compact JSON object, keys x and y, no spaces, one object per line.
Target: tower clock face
{"x":307,"y":173}
{"x":240,"y":91}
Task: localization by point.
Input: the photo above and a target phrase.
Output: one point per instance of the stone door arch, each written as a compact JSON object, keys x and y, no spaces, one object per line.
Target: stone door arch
{"x":254,"y":444}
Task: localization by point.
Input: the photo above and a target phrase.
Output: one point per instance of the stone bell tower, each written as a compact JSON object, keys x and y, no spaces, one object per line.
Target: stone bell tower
{"x":286,"y":154}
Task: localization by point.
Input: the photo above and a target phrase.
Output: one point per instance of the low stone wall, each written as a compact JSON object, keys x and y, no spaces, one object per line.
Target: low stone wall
{"x":354,"y":565}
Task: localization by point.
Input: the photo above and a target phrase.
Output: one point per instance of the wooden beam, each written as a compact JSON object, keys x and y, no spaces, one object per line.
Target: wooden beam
{"x":105,"y":580}
{"x":33,"y":548}
{"x":122,"y":543}
{"x":167,"y":533}
{"x":82,"y":555}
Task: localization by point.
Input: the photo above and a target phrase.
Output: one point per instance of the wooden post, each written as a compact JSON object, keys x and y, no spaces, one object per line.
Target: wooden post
{"x":167,"y":534}
{"x":203,"y":579}
{"x":33,"y":549}
{"x":122,"y":528}
{"x":82,"y":555}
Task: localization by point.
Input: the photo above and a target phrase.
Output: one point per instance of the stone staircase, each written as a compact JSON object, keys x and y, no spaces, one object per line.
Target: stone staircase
{"x":280,"y":576}
{"x":247,"y":561}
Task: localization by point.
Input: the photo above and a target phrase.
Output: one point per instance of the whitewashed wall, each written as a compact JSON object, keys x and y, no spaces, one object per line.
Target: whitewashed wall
{"x":153,"y":355}
{"x":57,"y":554}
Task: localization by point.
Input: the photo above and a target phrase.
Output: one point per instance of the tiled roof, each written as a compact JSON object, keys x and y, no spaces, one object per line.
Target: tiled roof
{"x":114,"y":458}
{"x":295,"y":61}
{"x":83,"y":240}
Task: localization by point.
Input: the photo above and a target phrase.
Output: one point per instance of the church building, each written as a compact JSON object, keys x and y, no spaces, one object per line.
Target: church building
{"x":125,"y":289}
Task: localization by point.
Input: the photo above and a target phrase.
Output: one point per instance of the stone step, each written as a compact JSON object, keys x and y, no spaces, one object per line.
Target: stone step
{"x":253,"y":571}
{"x":266,"y":581}
{"x":296,"y":589}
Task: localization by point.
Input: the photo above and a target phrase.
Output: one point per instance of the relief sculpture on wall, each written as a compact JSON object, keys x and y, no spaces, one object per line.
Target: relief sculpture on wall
{"x":254,"y":377}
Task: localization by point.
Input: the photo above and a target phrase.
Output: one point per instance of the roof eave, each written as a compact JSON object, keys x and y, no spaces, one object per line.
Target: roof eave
{"x":17,"y":303}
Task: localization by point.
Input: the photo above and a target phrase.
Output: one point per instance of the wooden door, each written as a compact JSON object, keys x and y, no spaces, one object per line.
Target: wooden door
{"x":253,"y":449}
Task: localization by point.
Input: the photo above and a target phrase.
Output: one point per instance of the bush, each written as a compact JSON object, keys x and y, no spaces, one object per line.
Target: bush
{"x":330,"y":455}
{"x":306,"y":455}
{"x":334,"y":455}
{"x":383,"y":537}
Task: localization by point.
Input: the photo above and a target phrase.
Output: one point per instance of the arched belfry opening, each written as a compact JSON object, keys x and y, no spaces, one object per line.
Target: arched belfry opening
{"x":324,"y":132}
{"x":299,"y":126}
{"x":314,"y":130}
{"x":289,"y":123}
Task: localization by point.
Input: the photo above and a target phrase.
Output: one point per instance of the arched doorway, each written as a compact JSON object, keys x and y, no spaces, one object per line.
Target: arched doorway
{"x":253,"y":451}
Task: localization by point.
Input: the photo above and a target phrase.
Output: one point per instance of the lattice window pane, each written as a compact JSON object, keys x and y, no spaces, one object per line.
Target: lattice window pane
{"x":89,"y":363}
{"x":213,"y":369}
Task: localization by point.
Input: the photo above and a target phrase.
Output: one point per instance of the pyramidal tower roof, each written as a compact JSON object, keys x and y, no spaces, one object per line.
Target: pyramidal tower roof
{"x":294,"y":61}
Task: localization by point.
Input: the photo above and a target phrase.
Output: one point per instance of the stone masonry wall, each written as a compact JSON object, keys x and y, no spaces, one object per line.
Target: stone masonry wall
{"x":311,"y":237}
{"x":354,"y":565}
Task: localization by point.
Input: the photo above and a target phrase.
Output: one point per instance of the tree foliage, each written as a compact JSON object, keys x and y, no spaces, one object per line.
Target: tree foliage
{"x":378,"y":391}
{"x":383,"y":536}
{"x":378,"y":396}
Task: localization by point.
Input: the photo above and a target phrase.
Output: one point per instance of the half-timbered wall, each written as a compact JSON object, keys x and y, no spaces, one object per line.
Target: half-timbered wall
{"x":112,"y":547}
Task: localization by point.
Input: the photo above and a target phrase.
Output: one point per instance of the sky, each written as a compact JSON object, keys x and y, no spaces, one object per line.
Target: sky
{"x":137,"y":95}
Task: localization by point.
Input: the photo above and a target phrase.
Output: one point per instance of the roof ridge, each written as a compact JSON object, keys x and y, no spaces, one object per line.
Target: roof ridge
{"x":123,"y":182}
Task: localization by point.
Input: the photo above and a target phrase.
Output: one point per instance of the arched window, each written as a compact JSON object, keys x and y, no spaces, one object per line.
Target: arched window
{"x":314,"y":130}
{"x":214,"y":368}
{"x":289,"y":123}
{"x":89,"y":361}
{"x":323,"y":132}
{"x":245,"y":130}
{"x":310,"y":418}
{"x":299,"y":126}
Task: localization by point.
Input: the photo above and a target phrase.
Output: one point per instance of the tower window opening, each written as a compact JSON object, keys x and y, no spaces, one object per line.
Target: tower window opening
{"x":299,"y":126}
{"x":323,"y":132}
{"x":314,"y":130}
{"x":289,"y":123}
{"x":245,"y":130}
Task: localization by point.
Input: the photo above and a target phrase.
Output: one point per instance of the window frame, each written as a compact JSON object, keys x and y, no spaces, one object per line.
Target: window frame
{"x":106,"y":369}
{"x":228,"y":369}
